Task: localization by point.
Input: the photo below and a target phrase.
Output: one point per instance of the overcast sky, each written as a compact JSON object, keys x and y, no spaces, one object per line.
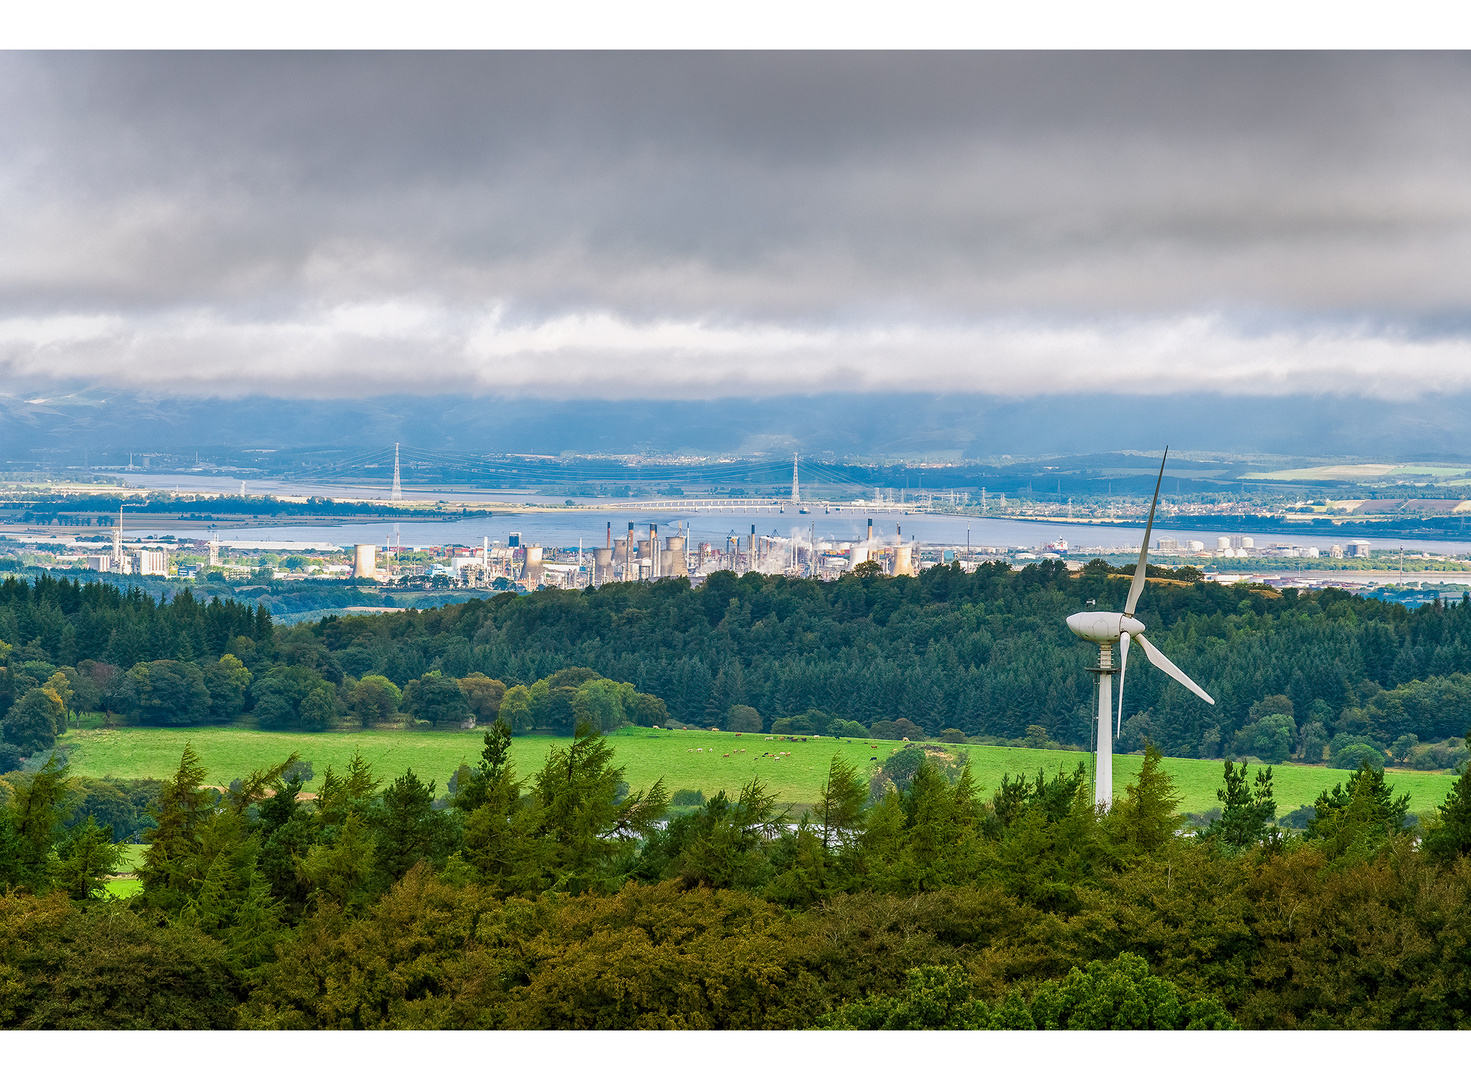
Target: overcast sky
{"x":697,"y":225}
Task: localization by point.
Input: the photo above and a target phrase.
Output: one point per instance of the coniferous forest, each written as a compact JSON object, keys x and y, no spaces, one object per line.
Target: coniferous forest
{"x":910,"y":898}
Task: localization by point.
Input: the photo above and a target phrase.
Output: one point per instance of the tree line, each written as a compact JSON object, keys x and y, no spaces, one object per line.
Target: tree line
{"x":60,"y":506}
{"x":1308,"y":676}
{"x":562,"y":899}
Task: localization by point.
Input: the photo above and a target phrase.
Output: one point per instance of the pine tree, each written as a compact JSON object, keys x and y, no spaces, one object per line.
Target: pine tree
{"x":1451,"y":836}
{"x":30,"y":826}
{"x":579,"y":817}
{"x":1145,"y":817}
{"x":1355,"y":819}
{"x":407,"y":828}
{"x":1246,"y":810}
{"x":840,"y":803}
{"x":339,"y":871}
{"x":85,"y":858}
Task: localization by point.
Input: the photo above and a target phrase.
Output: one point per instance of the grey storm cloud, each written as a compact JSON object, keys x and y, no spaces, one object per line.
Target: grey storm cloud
{"x":692,"y":225}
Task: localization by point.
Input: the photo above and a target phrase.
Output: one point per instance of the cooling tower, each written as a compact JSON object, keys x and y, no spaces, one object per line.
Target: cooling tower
{"x":903,"y":560}
{"x":364,"y":560}
{"x":675,"y":564}
{"x":856,"y":555}
{"x":531,"y":573}
{"x":602,"y":562}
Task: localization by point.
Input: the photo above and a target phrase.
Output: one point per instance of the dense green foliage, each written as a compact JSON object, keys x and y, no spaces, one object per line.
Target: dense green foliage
{"x":905,"y":897}
{"x":947,"y":654}
{"x":563,"y":900}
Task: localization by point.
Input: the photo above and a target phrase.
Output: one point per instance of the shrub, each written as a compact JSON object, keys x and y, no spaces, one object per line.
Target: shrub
{"x":687,"y":797}
{"x":302,"y":771}
{"x":1312,"y":741}
{"x":1299,"y":818}
{"x":32,"y":722}
{"x":373,"y":700}
{"x":743,"y":718}
{"x":1269,"y":738}
{"x":895,"y":729}
{"x":952,"y":735}
{"x":811,"y":722}
{"x":1450,"y":754}
{"x":1353,"y":755}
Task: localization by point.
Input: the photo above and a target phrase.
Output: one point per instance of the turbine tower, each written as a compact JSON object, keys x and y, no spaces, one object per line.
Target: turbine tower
{"x":398,"y":493}
{"x":1106,"y":627}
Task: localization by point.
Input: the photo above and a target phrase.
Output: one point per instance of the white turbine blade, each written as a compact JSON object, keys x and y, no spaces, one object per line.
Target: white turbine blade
{"x":1138,"y":585}
{"x":1161,"y":661}
{"x":1123,"y":667}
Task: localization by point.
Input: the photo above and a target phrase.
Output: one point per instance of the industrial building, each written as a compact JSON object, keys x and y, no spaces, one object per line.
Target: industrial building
{"x":634,"y":558}
{"x":142,"y":561}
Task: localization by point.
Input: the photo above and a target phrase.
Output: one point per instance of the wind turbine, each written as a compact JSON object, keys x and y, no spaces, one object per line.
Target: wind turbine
{"x":1106,"y":627}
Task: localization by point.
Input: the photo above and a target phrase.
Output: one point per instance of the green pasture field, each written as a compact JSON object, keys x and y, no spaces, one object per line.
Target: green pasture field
{"x":122,"y":887}
{"x":706,"y":761}
{"x":132,"y":858}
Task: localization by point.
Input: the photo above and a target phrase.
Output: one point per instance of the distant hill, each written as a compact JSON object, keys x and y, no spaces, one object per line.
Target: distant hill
{"x":103,"y":424}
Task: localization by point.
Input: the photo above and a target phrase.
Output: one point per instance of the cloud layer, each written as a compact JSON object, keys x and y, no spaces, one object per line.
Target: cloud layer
{"x":672,"y":225}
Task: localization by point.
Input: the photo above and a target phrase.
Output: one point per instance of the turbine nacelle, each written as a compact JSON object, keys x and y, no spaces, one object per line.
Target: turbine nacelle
{"x":1104,"y":627}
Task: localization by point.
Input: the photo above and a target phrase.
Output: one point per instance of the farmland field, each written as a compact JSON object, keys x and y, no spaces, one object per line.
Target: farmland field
{"x":123,"y":887}
{"x":703,"y":760}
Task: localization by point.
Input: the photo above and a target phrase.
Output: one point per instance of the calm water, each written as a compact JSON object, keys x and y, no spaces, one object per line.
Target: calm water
{"x":566,"y":529}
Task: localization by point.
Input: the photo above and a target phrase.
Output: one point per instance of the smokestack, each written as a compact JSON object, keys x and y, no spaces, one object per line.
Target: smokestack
{"x":870,"y":532}
{"x":653,"y":551}
{"x":610,"y":534}
{"x":751,"y":551}
{"x":628,"y":555}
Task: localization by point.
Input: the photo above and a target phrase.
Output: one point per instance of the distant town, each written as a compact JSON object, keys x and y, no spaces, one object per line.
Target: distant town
{"x":225,"y":532}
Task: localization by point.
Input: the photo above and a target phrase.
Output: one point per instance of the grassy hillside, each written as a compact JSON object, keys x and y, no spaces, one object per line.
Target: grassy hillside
{"x":704,"y":760}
